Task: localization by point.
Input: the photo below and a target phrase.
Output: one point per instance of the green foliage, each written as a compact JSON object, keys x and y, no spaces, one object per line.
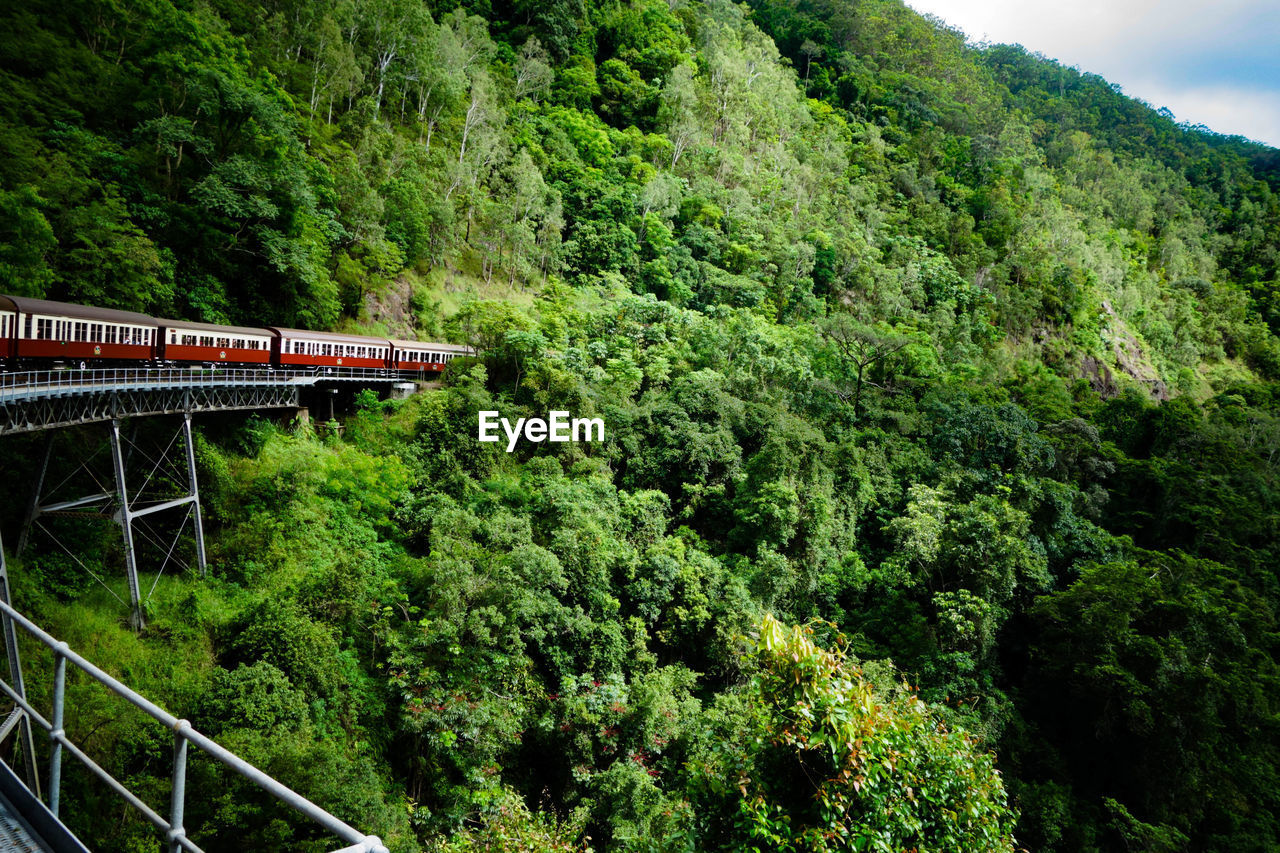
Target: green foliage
{"x":816,"y":760}
{"x":958,"y":350}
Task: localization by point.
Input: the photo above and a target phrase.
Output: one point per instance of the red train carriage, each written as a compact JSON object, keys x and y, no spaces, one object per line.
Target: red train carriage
{"x":79,"y":334}
{"x":424,"y":357}
{"x":8,"y":323}
{"x":302,"y":348}
{"x":186,"y":341}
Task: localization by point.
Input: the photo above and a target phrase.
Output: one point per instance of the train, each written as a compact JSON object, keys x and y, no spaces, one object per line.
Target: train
{"x":39,"y":333}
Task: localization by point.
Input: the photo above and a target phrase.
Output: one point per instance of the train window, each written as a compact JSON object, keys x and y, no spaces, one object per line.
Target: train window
{"x":95,"y":332}
{"x":223,"y":343}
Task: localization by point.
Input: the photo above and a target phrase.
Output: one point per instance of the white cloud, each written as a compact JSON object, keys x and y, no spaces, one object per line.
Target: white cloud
{"x":1225,"y":109}
{"x":1212,"y":63}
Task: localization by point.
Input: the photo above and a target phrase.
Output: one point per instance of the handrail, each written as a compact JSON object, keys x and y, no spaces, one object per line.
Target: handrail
{"x":183,"y":734}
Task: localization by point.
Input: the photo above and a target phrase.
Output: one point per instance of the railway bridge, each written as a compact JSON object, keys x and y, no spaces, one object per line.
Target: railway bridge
{"x":48,"y":400}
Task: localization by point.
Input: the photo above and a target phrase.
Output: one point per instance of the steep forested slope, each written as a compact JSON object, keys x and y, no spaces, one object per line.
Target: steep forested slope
{"x":962,"y":355}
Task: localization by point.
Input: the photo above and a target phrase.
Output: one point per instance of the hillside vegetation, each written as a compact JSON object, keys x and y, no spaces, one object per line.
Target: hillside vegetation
{"x":939,"y":500}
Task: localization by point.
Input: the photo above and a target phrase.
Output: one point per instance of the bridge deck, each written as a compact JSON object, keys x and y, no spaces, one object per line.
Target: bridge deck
{"x":15,"y":834}
{"x":26,"y":824}
{"x":35,"y":400}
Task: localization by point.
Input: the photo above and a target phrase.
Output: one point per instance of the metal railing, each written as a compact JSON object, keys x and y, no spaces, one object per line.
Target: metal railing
{"x":174,"y":832}
{"x":23,"y":383}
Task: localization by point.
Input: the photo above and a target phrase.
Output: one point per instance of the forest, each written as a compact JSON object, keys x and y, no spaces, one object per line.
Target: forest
{"x":939,"y":498}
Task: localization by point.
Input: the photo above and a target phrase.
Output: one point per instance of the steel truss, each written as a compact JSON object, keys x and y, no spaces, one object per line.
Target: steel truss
{"x":167,"y":486}
{"x":28,"y":415}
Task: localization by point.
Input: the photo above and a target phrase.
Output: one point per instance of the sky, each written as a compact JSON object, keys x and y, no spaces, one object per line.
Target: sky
{"x":1211,"y":63}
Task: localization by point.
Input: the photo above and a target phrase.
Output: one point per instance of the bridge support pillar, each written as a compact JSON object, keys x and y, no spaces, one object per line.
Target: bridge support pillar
{"x":124,"y":517}
{"x":17,"y":718}
{"x":170,"y":483}
{"x":33,"y":509}
{"x":193,"y":491}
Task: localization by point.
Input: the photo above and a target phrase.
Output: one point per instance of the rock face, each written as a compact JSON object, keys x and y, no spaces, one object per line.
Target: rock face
{"x":1099,"y":375}
{"x":1132,"y":361}
{"x":1129,"y":359}
{"x":391,"y":306}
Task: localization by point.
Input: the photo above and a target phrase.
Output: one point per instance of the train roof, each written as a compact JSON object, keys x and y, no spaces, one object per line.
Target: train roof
{"x":419,"y":344}
{"x":328,"y":336}
{"x":214,"y":327}
{"x":28,"y":305}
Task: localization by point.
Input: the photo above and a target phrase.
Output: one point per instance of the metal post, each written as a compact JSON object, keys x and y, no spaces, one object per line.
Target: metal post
{"x":56,"y":733}
{"x":15,"y":679}
{"x":179,"y":792}
{"x":193,"y":488}
{"x":34,"y":508}
{"x":125,"y":518}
